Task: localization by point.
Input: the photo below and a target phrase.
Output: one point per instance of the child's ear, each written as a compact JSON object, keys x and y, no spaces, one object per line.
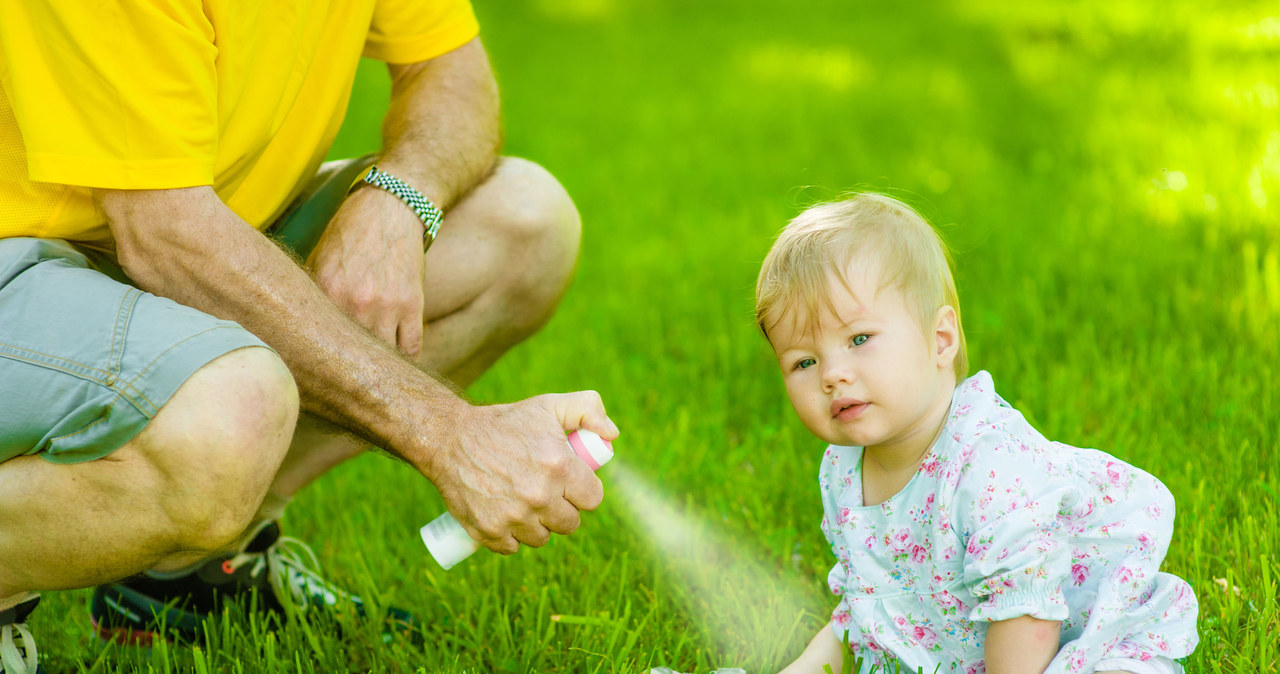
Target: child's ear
{"x":946,"y":337}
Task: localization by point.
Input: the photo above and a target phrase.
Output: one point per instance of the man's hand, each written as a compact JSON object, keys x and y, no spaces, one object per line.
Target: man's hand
{"x":510,"y":477}
{"x":370,"y":263}
{"x":441,"y":136}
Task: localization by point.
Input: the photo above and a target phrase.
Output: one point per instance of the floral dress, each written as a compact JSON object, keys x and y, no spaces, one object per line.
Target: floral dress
{"x":999,"y":522}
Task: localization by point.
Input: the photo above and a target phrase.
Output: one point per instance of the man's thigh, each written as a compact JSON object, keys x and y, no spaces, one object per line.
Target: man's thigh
{"x":87,"y":361}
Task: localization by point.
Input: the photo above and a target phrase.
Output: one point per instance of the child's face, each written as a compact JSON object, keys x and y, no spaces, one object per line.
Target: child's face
{"x":867,"y":374}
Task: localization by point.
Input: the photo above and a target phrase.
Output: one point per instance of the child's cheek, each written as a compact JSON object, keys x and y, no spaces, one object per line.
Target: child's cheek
{"x":796,"y":393}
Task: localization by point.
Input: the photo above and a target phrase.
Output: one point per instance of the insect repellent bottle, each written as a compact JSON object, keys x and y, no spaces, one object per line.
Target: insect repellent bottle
{"x":449,"y":543}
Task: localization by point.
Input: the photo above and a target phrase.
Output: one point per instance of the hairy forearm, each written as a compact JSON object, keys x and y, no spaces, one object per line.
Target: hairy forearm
{"x":1022,"y":645}
{"x":441,"y":132}
{"x":186,"y":245}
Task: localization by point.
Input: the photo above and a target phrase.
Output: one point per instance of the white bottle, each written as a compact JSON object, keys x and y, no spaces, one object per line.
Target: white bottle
{"x":449,"y":543}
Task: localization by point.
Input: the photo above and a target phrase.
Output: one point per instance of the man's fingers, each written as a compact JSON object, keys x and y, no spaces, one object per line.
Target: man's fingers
{"x":503,"y":546}
{"x":562,"y":519}
{"x":409,"y":336}
{"x":584,"y":409}
{"x":533,"y":535}
{"x":525,"y":483}
{"x":585,"y":494}
{"x":385,"y":329}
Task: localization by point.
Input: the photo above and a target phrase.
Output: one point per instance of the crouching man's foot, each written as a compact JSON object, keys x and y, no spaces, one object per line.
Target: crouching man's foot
{"x":275,"y":574}
{"x":17,"y":646}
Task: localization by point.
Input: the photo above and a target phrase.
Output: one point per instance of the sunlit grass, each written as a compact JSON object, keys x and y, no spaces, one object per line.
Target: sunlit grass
{"x":1109,"y":176}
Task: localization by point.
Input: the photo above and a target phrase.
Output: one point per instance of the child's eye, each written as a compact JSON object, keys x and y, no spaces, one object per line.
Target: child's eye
{"x":859,"y":340}
{"x":804,"y":363}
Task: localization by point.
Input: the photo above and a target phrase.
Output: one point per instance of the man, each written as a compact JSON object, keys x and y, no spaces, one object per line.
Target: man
{"x":144,"y":425}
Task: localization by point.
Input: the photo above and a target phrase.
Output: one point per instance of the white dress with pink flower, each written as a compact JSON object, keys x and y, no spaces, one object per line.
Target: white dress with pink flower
{"x":999,"y":522}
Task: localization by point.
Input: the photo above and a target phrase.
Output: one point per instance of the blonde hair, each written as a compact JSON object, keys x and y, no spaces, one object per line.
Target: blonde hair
{"x":824,"y":239}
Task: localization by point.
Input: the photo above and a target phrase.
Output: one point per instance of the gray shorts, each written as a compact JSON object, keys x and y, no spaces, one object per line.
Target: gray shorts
{"x":87,"y":359}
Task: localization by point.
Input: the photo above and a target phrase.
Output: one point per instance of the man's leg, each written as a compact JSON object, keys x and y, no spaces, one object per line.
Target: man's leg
{"x":181,"y":490}
{"x":500,"y":272}
{"x":495,"y":274}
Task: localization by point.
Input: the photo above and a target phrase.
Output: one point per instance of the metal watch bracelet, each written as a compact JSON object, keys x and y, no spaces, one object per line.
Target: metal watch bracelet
{"x":427,"y":212}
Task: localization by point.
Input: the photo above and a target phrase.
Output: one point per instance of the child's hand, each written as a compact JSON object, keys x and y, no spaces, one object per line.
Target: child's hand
{"x":823,"y":650}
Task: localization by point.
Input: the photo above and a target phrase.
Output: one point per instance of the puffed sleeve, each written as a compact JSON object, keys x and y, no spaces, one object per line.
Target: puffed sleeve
{"x":113,"y":94}
{"x":1016,"y":559}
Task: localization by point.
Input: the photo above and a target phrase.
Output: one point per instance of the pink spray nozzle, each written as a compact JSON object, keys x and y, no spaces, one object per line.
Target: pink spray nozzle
{"x":591,"y":448}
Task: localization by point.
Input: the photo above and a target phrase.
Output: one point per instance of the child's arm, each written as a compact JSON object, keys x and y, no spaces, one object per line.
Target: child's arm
{"x":1022,"y":645}
{"x":823,"y":650}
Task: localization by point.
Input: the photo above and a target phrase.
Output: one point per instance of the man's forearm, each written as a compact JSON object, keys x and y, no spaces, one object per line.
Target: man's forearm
{"x":187,"y":245}
{"x":441,"y":132}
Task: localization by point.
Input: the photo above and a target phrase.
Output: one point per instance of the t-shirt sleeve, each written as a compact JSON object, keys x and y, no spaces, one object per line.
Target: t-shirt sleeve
{"x":1016,"y":559}
{"x":113,"y":94}
{"x":409,"y":31}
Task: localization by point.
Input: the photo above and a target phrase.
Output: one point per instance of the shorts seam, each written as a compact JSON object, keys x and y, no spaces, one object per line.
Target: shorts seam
{"x":126,"y":389}
{"x":123,"y":314}
{"x":129,"y":385}
{"x":41,"y":359}
{"x":110,"y":407}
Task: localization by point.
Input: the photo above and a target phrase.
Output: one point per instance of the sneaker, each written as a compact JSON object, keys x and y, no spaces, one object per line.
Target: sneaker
{"x":17,"y":646}
{"x":275,"y":574}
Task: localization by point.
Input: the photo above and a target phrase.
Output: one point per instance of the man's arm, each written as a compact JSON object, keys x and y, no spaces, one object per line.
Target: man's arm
{"x":441,"y":135}
{"x":186,"y":244}
{"x":441,"y":131}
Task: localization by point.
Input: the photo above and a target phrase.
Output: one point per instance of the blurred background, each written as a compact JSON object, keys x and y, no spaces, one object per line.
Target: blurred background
{"x":1107,"y":174}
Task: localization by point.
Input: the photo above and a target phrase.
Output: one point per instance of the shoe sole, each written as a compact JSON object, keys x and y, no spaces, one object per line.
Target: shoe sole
{"x":129,"y":606}
{"x":123,"y":636}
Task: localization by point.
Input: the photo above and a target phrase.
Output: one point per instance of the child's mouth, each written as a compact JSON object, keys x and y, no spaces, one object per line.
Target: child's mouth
{"x":847,"y":409}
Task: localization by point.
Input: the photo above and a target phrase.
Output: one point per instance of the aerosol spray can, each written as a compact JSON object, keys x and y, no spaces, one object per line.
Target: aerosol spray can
{"x":449,"y":543}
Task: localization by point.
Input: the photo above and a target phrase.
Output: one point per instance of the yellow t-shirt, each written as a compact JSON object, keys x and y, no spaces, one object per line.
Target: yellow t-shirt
{"x":243,"y":95}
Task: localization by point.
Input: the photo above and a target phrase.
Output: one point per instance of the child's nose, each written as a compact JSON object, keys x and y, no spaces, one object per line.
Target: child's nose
{"x":836,"y":373}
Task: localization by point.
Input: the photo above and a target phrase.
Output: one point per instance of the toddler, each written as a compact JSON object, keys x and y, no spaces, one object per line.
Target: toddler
{"x":963,"y":538}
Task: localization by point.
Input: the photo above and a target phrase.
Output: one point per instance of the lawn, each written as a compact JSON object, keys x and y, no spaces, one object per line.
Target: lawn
{"x":1108,"y":175}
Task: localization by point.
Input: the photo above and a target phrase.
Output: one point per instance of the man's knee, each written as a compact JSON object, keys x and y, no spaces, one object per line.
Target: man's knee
{"x":216,"y":445}
{"x":535,"y":211}
{"x":541,"y":226}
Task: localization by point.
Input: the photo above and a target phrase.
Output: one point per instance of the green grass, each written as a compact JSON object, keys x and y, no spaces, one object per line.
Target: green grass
{"x":1108,"y":174}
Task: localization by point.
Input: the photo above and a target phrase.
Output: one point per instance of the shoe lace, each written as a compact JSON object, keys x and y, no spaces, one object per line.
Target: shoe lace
{"x":17,"y":650}
{"x":291,"y":568}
